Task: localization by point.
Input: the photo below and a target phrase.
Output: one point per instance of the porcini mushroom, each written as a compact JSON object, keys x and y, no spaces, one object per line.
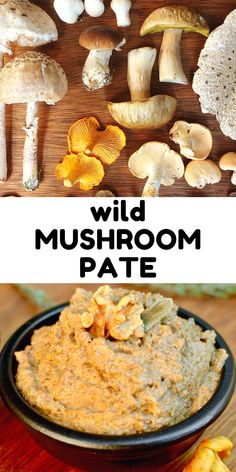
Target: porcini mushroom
{"x":228,"y":162}
{"x":101,"y":41}
{"x":94,"y":8}
{"x":69,"y":11}
{"x":122,"y":8}
{"x":32,"y":78}
{"x":200,"y":173}
{"x":159,"y":164}
{"x":173,"y":20}
{"x":27,"y":25}
{"x":144,"y":111}
{"x":195,"y":140}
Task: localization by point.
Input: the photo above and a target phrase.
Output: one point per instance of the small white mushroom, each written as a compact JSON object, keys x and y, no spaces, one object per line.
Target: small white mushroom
{"x":122,"y":8}
{"x":100,"y":41}
{"x":195,"y":140}
{"x":228,"y":162}
{"x":159,"y":164}
{"x":69,"y":11}
{"x":94,"y":8}
{"x":32,"y":78}
{"x":200,"y":173}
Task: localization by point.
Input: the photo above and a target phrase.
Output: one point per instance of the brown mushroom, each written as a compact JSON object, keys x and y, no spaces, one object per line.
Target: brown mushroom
{"x":144,"y":111}
{"x":200,"y":173}
{"x":228,"y":162}
{"x":32,"y":78}
{"x":100,"y":41}
{"x":27,"y":25}
{"x":195,"y":140}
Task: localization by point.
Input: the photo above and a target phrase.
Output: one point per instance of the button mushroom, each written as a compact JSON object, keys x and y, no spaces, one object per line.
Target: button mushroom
{"x":122,"y":8}
{"x":101,"y":41}
{"x":69,"y":11}
{"x":94,"y":8}
{"x":200,"y":173}
{"x":159,"y":164}
{"x":173,"y":20}
{"x":228,"y":162}
{"x":27,"y":25}
{"x":195,"y":140}
{"x":32,"y":78}
{"x":144,"y":111}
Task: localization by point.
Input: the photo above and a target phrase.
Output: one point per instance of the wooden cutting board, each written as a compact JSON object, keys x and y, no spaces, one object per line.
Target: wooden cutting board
{"x":18,"y":451}
{"x":55,"y":121}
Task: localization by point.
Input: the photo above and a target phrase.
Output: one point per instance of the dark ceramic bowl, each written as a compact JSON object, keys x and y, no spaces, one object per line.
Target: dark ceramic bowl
{"x":82,"y":449}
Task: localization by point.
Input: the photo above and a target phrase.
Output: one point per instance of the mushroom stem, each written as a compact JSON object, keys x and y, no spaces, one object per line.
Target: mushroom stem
{"x":140,"y":66}
{"x":121,"y":9}
{"x":170,"y":64}
{"x":30,"y":163}
{"x":96,"y":72}
{"x":3,"y":148}
{"x":152,"y":186}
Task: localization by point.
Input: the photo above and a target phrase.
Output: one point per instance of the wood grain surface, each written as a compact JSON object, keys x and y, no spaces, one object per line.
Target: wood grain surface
{"x":18,"y":451}
{"x":55,"y":121}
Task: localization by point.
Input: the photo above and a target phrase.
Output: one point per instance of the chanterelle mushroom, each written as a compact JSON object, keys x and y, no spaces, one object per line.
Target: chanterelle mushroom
{"x":122,"y":8}
{"x":101,"y":41}
{"x":195,"y":140}
{"x":32,"y":78}
{"x":200,"y":173}
{"x":228,"y":162}
{"x":94,"y":8}
{"x":173,"y":20}
{"x":26,"y":24}
{"x":142,"y":112}
{"x":159,"y":164}
{"x":69,"y":11}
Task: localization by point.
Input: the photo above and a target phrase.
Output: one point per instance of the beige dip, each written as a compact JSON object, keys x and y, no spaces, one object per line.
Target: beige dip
{"x":112,"y":366}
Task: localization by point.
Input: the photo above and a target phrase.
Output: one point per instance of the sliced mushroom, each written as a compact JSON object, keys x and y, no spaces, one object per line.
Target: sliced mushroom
{"x":101,"y":41}
{"x":142,"y":112}
{"x":173,"y":20}
{"x":200,"y":173}
{"x":195,"y":140}
{"x":122,"y":8}
{"x":159,"y":164}
{"x":228,"y":162}
{"x":69,"y":11}
{"x":32,"y":78}
{"x":27,"y":25}
{"x":94,"y":8}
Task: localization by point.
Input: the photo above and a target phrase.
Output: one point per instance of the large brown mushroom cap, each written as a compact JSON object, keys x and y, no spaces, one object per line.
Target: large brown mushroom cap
{"x":175,"y":17}
{"x":152,"y":113}
{"x":25,"y":23}
{"x":32,"y":77}
{"x":101,"y":37}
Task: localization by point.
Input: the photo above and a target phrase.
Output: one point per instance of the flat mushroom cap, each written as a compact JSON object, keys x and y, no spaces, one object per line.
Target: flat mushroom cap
{"x":26,"y":24}
{"x":175,"y":17}
{"x":215,"y":79}
{"x":101,"y":37}
{"x":32,"y":77}
{"x":151,"y":113}
{"x":194,"y":139}
{"x":200,"y":173}
{"x":155,"y":158}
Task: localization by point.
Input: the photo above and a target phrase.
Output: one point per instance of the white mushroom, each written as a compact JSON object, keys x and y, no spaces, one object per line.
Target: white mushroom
{"x":94,"y":8}
{"x":200,"y":173}
{"x":122,"y":8}
{"x":69,"y":11}
{"x":228,"y":162}
{"x":32,"y":78}
{"x":159,"y":164}
{"x":100,"y":41}
{"x":27,"y":25}
{"x":195,"y":140}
